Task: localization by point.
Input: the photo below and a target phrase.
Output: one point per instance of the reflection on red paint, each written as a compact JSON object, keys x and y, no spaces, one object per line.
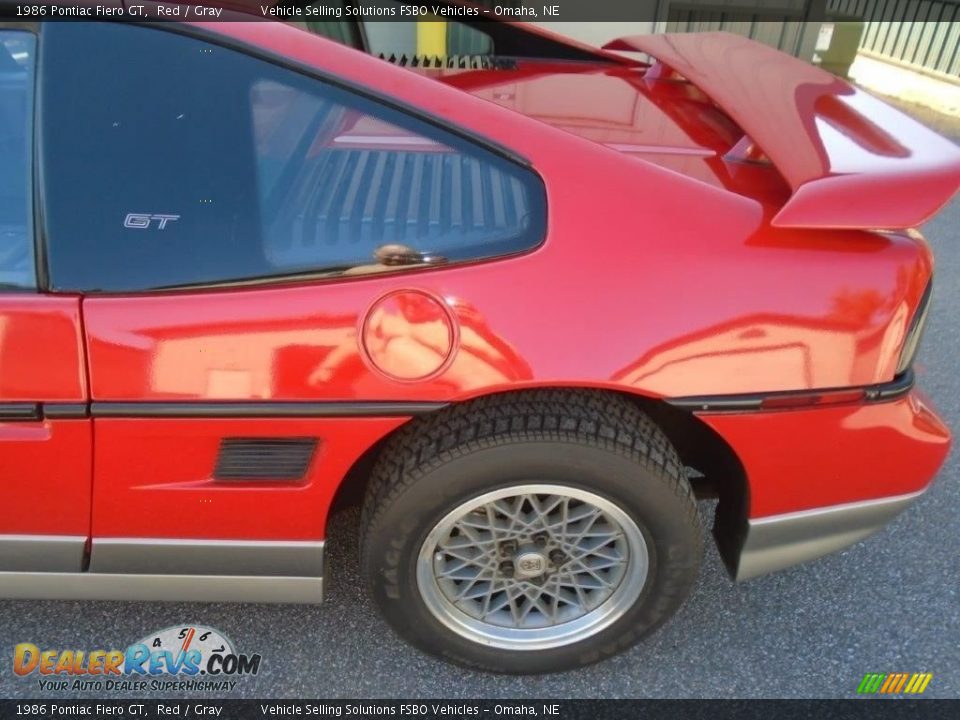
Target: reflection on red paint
{"x":661,"y":275}
{"x":408,"y":335}
{"x":835,"y":454}
{"x":41,"y":351}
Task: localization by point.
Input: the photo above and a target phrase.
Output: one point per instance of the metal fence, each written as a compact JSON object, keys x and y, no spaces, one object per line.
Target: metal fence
{"x":922,"y":34}
{"x":780,"y":23}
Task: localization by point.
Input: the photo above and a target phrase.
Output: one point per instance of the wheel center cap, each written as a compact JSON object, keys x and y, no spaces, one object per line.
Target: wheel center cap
{"x":530,"y":564}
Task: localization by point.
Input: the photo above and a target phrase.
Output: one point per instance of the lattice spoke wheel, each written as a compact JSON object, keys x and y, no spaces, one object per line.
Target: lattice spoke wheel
{"x":530,"y":532}
{"x":532,"y":566}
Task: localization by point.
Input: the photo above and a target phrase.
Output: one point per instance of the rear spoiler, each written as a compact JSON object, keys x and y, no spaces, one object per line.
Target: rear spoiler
{"x":851,"y":160}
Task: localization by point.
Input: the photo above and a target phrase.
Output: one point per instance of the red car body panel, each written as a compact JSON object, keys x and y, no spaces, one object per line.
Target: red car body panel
{"x":639,"y":241}
{"x":49,"y":466}
{"x":672,"y":125}
{"x":852,"y":160}
{"x":803,"y":459}
{"x":840,"y":322}
{"x":41,"y":349}
{"x":174,"y":496}
{"x":301,"y":342}
{"x":47,"y":462}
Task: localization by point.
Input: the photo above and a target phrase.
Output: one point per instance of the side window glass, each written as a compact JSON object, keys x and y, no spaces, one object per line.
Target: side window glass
{"x":17,"y":59}
{"x":190,"y":164}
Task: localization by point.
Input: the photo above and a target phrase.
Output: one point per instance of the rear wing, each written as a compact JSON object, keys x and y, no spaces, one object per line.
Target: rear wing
{"x":851,"y":160}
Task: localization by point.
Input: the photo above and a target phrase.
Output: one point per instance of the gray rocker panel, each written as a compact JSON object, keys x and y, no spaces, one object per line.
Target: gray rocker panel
{"x":780,"y":541}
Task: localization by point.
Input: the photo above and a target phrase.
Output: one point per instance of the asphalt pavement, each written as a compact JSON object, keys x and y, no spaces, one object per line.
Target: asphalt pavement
{"x":888,"y":604}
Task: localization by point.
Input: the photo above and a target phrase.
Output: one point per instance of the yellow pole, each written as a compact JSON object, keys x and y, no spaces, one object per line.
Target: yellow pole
{"x":432,"y":38}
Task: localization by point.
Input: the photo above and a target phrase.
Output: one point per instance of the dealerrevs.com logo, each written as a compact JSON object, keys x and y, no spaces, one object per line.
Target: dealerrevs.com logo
{"x":186,"y":657}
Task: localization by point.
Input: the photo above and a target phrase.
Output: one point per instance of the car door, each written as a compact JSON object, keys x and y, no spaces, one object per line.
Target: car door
{"x":240,"y":233}
{"x":45,"y":438}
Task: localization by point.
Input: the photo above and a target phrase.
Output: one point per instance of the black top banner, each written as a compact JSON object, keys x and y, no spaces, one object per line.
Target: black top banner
{"x":446,"y":709}
{"x":677,"y":14}
{"x":492,"y":709}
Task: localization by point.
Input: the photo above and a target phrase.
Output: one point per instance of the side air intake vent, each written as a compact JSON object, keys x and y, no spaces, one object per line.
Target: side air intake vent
{"x":264,"y":458}
{"x":460,"y":62}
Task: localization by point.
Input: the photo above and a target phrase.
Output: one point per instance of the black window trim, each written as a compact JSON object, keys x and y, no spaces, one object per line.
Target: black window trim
{"x":39,"y":217}
{"x":44,"y":281}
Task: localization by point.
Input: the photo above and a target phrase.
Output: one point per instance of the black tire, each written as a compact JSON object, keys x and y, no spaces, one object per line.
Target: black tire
{"x":598,"y":442}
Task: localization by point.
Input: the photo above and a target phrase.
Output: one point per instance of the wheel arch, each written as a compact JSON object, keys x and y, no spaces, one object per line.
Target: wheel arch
{"x":718,"y":472}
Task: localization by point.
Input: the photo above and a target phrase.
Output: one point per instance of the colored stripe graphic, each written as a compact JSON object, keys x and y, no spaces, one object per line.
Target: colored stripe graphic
{"x":894,"y":683}
{"x":899,"y":686}
{"x":918,"y":683}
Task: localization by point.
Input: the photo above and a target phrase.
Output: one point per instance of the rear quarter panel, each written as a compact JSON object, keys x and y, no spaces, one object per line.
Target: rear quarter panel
{"x":648,"y":281}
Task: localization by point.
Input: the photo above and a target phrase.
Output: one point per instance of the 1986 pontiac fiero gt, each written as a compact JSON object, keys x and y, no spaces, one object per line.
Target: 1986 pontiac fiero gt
{"x":528,"y":304}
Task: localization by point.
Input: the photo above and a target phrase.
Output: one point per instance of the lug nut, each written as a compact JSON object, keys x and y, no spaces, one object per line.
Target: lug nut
{"x":508,"y":547}
{"x":506,"y":568}
{"x":557,"y":557}
{"x":540,"y":540}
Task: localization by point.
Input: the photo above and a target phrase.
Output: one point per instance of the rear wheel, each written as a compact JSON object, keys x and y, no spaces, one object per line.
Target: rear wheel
{"x":530,"y":532}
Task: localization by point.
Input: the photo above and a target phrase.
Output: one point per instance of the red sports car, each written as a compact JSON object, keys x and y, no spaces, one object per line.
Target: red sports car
{"x":530,"y":304}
